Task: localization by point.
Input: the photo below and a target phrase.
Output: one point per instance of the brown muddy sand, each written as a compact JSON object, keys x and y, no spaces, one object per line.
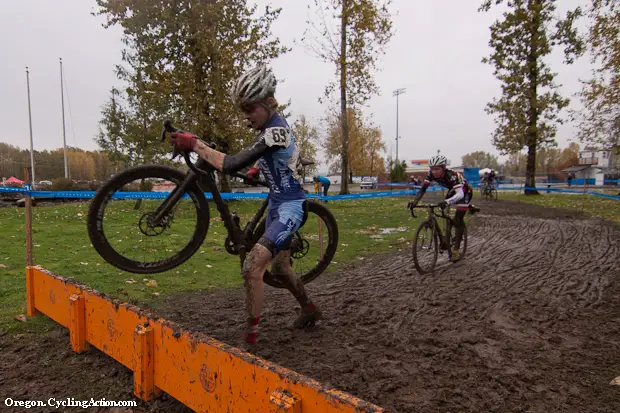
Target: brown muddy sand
{"x":528,"y":322}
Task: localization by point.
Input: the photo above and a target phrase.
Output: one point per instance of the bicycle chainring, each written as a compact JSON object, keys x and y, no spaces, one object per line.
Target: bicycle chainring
{"x":299,"y":246}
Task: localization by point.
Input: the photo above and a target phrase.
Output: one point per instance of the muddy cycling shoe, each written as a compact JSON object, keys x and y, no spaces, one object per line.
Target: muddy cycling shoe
{"x":456,"y":254}
{"x":308,"y":318}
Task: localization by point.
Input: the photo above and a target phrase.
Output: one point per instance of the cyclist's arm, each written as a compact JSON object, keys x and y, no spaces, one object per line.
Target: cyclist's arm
{"x":246,"y":157}
{"x":215,"y":158}
{"x":457,"y":196}
{"x":232,"y":163}
{"x":271,"y":139}
{"x":421,"y":192}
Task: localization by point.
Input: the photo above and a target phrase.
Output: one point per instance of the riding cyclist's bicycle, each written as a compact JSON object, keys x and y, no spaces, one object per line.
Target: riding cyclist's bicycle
{"x":172,"y":224}
{"x":432,"y":238}
{"x":488,"y":191}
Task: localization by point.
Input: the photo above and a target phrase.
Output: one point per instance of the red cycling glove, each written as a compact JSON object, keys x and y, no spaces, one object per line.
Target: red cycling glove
{"x":184,"y":141}
{"x":253,"y":173}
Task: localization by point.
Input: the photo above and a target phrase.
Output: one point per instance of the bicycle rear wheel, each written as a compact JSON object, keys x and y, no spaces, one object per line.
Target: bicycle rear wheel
{"x":313,"y":246}
{"x":425,"y":248}
{"x":124,"y":234}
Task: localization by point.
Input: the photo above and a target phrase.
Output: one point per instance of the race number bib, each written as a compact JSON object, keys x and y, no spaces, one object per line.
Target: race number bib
{"x":277,"y":137}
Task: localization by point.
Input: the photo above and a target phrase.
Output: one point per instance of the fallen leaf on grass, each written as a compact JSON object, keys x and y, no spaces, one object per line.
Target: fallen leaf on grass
{"x":616,"y":381}
{"x":84,"y":263}
{"x":20,"y":317}
{"x":216,"y":248}
{"x":155,"y":293}
{"x":3,"y":266}
{"x":131,"y":281}
{"x":151,"y":283}
{"x":209,"y":266}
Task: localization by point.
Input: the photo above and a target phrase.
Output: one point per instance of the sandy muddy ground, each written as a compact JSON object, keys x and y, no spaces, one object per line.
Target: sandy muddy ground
{"x":529,"y":322}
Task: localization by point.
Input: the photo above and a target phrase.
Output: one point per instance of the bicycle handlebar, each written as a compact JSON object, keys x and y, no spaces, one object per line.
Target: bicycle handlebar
{"x":169,"y":128}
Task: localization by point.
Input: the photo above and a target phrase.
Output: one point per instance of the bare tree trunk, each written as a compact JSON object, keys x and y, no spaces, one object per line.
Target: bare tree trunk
{"x":344,"y":187}
{"x":532,"y":130}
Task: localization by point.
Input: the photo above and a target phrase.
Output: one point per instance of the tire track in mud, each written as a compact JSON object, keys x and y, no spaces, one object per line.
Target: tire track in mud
{"x":528,"y":320}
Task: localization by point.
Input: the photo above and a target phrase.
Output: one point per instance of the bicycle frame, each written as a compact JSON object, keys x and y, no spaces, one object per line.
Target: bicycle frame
{"x":231,"y":221}
{"x":433,"y":219}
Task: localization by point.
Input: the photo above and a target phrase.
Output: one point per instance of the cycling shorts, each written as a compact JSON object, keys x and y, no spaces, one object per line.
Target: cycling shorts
{"x":283,"y":220}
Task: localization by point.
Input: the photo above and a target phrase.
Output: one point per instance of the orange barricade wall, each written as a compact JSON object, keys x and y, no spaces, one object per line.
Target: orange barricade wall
{"x":202,"y":373}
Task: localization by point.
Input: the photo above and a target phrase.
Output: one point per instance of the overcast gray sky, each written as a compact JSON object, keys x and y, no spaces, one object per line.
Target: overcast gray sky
{"x":435,"y":54}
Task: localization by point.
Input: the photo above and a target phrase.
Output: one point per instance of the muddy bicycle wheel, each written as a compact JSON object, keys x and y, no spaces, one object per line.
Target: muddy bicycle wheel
{"x":313,"y":246}
{"x":493,"y":194}
{"x":122,"y":230}
{"x":425,"y":248}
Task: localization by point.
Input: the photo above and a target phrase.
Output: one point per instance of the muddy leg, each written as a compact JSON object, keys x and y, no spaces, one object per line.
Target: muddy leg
{"x":254,"y":267}
{"x":281,"y":267}
{"x":459,"y":224}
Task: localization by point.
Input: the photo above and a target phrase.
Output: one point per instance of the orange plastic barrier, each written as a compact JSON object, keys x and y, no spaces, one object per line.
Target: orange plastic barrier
{"x":202,"y":373}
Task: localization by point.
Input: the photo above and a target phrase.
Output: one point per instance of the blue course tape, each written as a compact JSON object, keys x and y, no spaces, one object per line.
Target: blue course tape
{"x":225,"y":195}
{"x":572,"y":191}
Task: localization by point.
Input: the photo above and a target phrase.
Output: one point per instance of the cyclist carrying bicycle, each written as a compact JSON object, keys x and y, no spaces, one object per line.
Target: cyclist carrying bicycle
{"x":277,"y":153}
{"x":459,"y":192}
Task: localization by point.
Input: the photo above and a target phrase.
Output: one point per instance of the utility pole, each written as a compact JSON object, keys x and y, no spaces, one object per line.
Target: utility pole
{"x":397,"y":93}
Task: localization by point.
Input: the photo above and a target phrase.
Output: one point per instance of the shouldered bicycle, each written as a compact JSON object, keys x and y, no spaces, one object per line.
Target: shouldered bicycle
{"x":185,"y":209}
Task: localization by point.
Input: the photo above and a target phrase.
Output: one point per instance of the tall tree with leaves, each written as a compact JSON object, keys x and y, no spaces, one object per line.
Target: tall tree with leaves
{"x":181,"y":58}
{"x":365,"y":139}
{"x":480,"y":159}
{"x":599,"y":120}
{"x":528,"y":112}
{"x":364,"y":29}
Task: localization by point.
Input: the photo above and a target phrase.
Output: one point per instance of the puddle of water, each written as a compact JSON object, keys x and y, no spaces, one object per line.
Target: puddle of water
{"x":387,"y":231}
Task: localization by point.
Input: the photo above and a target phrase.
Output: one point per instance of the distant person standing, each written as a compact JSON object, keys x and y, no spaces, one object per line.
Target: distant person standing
{"x":325,"y":182}
{"x":569,"y":179}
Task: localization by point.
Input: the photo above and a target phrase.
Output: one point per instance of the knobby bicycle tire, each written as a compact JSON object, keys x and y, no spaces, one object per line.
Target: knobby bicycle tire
{"x":96,"y":228}
{"x":423,"y":226}
{"x":332,"y":244}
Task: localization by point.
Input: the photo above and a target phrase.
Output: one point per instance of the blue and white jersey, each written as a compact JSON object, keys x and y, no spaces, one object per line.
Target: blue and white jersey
{"x":281,"y":164}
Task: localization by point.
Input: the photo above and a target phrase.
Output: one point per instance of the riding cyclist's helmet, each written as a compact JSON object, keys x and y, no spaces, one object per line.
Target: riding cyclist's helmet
{"x":438,"y":160}
{"x":253,"y":86}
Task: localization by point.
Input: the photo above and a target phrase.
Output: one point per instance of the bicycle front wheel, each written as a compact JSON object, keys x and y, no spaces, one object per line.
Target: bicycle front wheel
{"x":425,"y":248}
{"x":124,"y":231}
{"x":312,"y":247}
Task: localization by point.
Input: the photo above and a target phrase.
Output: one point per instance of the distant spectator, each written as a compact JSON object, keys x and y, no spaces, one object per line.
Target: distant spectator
{"x":325,"y":182}
{"x":569,"y":179}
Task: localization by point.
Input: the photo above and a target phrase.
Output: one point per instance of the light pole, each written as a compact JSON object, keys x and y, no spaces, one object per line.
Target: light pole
{"x":397,"y":93}
{"x":30,"y":123}
{"x":64,"y":135}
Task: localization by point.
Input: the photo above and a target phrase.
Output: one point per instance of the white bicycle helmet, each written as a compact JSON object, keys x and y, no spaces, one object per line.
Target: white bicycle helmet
{"x":253,"y":86}
{"x":438,"y":160}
